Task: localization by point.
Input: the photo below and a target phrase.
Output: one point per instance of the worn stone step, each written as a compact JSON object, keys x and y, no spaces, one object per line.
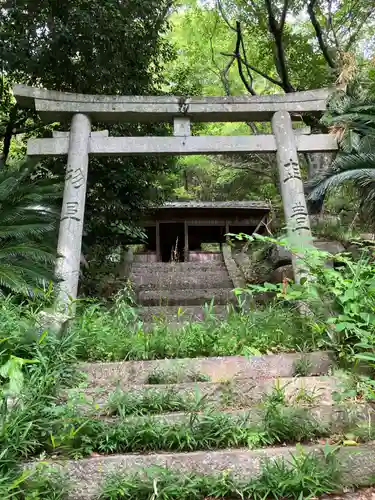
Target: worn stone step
{"x":218,"y":369}
{"x":87,"y":475}
{"x":335,"y":419}
{"x":179,"y":266}
{"x":220,"y":296}
{"x":236,"y":393}
{"x":181,"y":280}
{"x":180,"y":314}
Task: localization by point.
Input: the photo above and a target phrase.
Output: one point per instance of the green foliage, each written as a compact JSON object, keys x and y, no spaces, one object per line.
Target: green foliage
{"x":280,"y":421}
{"x":302,"y":476}
{"x":109,"y":336}
{"x":302,"y":367}
{"x":340,"y":300}
{"x":75,"y":436}
{"x":114,"y":52}
{"x":95,"y":47}
{"x":151,"y":401}
{"x":28,"y":216}
{"x":351,"y":116}
{"x":309,"y":48}
{"x":38,"y":483}
{"x":25,"y":420}
{"x":175,"y":376}
{"x":334,"y":231}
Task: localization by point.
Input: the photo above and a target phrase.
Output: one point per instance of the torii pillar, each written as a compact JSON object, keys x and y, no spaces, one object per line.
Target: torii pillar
{"x":292,"y":191}
{"x":73,"y":211}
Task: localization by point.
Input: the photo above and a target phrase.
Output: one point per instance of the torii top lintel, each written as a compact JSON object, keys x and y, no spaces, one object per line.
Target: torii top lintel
{"x":57,"y":106}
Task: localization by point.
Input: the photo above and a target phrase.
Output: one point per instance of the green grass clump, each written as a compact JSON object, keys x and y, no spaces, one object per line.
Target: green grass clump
{"x":111,"y":336}
{"x":41,"y":482}
{"x":151,"y":401}
{"x":304,"y":476}
{"x":302,"y":367}
{"x":199,"y":431}
{"x":175,"y":376}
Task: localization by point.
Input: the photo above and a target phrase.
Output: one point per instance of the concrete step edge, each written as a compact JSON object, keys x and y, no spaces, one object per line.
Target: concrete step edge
{"x":220,"y":296}
{"x":176,"y":286}
{"x":216,"y":368}
{"x":235,"y":393}
{"x":336,"y":418}
{"x":87,"y":475}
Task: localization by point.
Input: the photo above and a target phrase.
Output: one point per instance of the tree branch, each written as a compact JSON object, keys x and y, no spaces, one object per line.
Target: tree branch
{"x":222,"y":13}
{"x":252,"y":68}
{"x":249,"y":86}
{"x":283,"y":14}
{"x":280,"y":60}
{"x":330,"y":25}
{"x":355,"y":34}
{"x":319,"y":34}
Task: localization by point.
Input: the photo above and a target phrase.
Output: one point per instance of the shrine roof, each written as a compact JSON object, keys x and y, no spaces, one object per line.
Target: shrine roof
{"x":236,"y":205}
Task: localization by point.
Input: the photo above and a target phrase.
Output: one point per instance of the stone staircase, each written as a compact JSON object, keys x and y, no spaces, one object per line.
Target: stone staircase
{"x":229,"y":386}
{"x":177,"y":292}
{"x":210,"y":416}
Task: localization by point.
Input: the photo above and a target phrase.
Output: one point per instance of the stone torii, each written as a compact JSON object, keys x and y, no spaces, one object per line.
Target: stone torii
{"x":80,"y":143}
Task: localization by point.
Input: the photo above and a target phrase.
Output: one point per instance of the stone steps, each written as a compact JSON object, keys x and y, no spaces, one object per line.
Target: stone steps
{"x":178,"y":314}
{"x":162,"y":285}
{"x":217,"y":369}
{"x":233,"y":393}
{"x":180,"y":280}
{"x":235,"y":386}
{"x":87,"y":475}
{"x":185,"y":267}
{"x":336,"y":418}
{"x":194,"y":297}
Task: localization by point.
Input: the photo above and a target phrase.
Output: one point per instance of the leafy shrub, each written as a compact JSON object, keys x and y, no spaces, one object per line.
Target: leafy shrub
{"x":110,"y":336}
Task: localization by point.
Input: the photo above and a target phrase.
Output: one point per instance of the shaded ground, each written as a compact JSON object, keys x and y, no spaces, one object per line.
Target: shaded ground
{"x":365,"y":494}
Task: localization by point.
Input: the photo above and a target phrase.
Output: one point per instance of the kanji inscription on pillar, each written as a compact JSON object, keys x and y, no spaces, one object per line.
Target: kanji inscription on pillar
{"x":291,"y":171}
{"x":300,"y":216}
{"x":71,"y":209}
{"x":76,"y":177}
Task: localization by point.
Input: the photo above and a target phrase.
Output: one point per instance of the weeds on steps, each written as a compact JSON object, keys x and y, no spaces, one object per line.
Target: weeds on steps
{"x":303,"y":476}
{"x":175,"y":376}
{"x":152,"y":401}
{"x":113,"y":337}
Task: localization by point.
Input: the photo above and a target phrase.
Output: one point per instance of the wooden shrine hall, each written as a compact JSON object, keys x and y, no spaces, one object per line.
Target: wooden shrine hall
{"x":180,"y":228}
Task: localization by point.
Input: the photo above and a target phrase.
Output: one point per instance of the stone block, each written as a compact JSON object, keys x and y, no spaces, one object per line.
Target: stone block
{"x":279,"y":274}
{"x":280,"y":256}
{"x":332,"y":247}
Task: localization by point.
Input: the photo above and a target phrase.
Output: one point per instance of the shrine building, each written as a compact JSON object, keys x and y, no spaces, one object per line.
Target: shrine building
{"x":178,"y":229}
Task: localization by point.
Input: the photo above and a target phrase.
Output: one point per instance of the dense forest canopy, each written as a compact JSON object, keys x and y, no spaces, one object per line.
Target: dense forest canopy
{"x":231,"y":47}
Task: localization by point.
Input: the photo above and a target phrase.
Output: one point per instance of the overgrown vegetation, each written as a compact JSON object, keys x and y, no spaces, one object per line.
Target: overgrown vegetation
{"x":34,"y":368}
{"x":124,"y":403}
{"x":28,"y":219}
{"x":110,"y":337}
{"x":303,"y":476}
{"x":340,"y":299}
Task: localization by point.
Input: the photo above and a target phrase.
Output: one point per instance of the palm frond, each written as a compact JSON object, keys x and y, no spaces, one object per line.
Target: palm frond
{"x":361,"y":178}
{"x":12,"y":281}
{"x":29,"y":212}
{"x":26,"y":230}
{"x":28,"y":250}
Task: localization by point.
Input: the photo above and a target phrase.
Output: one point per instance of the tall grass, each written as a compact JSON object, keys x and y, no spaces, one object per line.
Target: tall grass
{"x":109,"y":335}
{"x":301,"y":477}
{"x":38,"y":366}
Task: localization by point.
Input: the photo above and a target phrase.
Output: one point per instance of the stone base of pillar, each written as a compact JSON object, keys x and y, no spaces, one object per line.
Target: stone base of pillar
{"x":54,"y":322}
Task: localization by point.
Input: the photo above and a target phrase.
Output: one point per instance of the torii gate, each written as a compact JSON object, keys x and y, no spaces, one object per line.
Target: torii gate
{"x":80,"y":143}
